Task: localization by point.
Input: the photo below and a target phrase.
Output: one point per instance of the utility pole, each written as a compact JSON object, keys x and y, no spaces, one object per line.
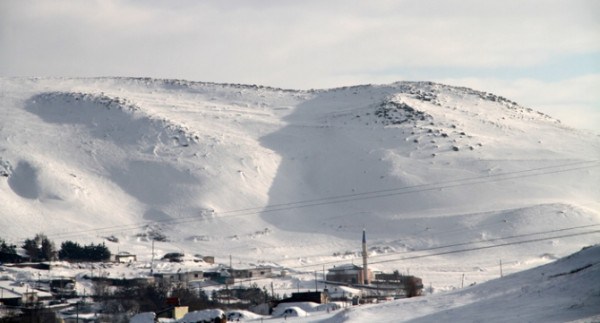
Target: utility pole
{"x":272,"y":291}
{"x":233,"y":285}
{"x":316,"y":282}
{"x":152,"y":261}
{"x":462,"y":283}
{"x":501,"y":268}
{"x":227,"y":291}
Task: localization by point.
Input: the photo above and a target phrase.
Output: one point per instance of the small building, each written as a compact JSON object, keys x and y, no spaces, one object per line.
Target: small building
{"x":343,"y":293}
{"x":125,"y":281}
{"x":406,"y":284}
{"x":125,"y":257}
{"x":174,"y":257}
{"x":10,"y":298}
{"x":258,"y":272}
{"x":20,"y":294}
{"x":315,"y":297}
{"x":63,"y":287}
{"x":348,"y":274}
{"x":391,"y":278}
{"x":180,"y":277}
{"x":175,"y":312}
{"x":221,"y":277}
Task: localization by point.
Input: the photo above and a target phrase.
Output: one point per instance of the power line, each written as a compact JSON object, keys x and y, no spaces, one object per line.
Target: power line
{"x":469,"y":249}
{"x":417,"y":188}
{"x":352,"y":197}
{"x":439,"y":253}
{"x":458,"y":244}
{"x":248,"y":280}
{"x":447,"y":252}
{"x":340,"y":199}
{"x":444,"y":252}
{"x":489,"y":247}
{"x":462,"y":244}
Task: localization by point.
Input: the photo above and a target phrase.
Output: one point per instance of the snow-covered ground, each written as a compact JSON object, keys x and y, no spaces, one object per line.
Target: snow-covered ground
{"x":565,"y":290}
{"x":447,"y":181}
{"x":562,"y":291}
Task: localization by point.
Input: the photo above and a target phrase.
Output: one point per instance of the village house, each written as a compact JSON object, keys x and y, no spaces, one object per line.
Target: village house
{"x":315,"y":297}
{"x":63,"y":287}
{"x":343,"y":293}
{"x":125,"y":257}
{"x":180,"y":277}
{"x":221,"y":277}
{"x":20,"y":294}
{"x":348,"y":274}
{"x":125,"y":282}
{"x":396,"y":283}
{"x":174,"y":257}
{"x":258,"y":272}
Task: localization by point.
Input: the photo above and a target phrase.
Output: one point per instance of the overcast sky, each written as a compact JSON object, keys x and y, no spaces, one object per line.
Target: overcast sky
{"x":542,"y":54}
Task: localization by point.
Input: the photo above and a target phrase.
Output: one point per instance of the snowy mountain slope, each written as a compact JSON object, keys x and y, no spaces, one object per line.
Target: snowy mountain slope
{"x":563,"y":291}
{"x":357,"y":155}
{"x":293,"y":177}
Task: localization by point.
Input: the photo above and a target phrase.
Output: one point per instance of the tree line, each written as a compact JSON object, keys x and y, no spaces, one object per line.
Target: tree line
{"x":40,"y":248}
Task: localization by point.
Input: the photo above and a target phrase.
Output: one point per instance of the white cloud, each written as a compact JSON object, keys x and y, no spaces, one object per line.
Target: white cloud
{"x":240,"y":40}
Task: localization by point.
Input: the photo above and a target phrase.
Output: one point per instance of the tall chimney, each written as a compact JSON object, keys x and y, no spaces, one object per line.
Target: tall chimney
{"x":364,"y":254}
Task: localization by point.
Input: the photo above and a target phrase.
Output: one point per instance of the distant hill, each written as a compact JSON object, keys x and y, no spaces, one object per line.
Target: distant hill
{"x":292,"y":177}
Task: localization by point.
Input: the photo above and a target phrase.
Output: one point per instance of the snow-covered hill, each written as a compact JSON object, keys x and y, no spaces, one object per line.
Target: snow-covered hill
{"x":292,"y":177}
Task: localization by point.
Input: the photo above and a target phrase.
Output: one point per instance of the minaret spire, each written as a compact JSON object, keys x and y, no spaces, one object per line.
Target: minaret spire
{"x":364,"y":255}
